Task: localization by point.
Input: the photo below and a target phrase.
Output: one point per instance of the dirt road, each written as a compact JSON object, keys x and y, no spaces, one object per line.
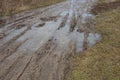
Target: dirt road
{"x":36,"y":44}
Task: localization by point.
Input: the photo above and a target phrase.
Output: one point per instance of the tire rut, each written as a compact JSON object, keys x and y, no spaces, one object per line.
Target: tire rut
{"x":9,"y":67}
{"x":39,"y":58}
{"x":10,"y":50}
{"x":2,"y":48}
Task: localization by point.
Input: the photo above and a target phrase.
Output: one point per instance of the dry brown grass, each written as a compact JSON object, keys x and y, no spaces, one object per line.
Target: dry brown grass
{"x":102,"y":61}
{"x":105,"y":6}
{"x":8,"y":7}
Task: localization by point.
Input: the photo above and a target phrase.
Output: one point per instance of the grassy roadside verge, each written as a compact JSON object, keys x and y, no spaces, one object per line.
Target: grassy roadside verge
{"x":9,"y":9}
{"x":14,"y":6}
{"x":102,"y":61}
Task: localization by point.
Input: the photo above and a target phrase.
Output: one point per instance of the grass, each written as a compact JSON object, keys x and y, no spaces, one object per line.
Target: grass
{"x":16,"y":9}
{"x":46,"y":3}
{"x":25,"y":7}
{"x":102,"y":61}
{"x":106,"y":1}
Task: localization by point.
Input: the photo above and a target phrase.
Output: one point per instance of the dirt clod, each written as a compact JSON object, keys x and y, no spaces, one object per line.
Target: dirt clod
{"x":41,"y":24}
{"x":20,"y":26}
{"x":49,"y":18}
{"x":2,"y":35}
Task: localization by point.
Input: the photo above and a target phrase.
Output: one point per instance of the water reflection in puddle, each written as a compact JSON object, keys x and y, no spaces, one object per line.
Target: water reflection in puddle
{"x":38,"y":36}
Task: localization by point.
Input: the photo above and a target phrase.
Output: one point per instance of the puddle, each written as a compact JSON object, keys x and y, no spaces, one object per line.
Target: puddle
{"x":64,"y":36}
{"x":62,"y":28}
{"x":38,"y":36}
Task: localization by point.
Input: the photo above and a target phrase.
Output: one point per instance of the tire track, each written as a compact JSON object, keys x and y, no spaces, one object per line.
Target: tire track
{"x":10,"y":50}
{"x":2,"y":48}
{"x":24,"y":69}
{"x":17,"y":69}
{"x":5,"y":69}
{"x":39,"y":58}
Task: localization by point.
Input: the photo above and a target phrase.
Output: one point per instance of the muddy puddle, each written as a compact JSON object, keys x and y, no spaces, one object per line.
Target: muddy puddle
{"x":38,"y":48}
{"x":63,"y":30}
{"x":71,"y":25}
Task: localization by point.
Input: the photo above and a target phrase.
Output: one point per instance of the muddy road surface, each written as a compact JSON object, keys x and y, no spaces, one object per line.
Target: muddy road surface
{"x":36,"y":44}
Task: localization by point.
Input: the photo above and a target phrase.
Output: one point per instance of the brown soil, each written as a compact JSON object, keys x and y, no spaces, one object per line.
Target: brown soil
{"x":2,"y":23}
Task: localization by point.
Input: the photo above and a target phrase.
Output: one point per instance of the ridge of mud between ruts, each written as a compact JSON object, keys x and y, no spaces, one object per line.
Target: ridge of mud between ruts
{"x":38,"y":48}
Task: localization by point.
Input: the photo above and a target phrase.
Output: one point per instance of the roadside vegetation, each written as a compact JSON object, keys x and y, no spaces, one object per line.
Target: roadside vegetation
{"x":11,"y":7}
{"x":8,"y":7}
{"x":102,"y":61}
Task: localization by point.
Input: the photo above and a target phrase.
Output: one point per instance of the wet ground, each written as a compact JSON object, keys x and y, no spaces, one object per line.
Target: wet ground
{"x":36,"y":44}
